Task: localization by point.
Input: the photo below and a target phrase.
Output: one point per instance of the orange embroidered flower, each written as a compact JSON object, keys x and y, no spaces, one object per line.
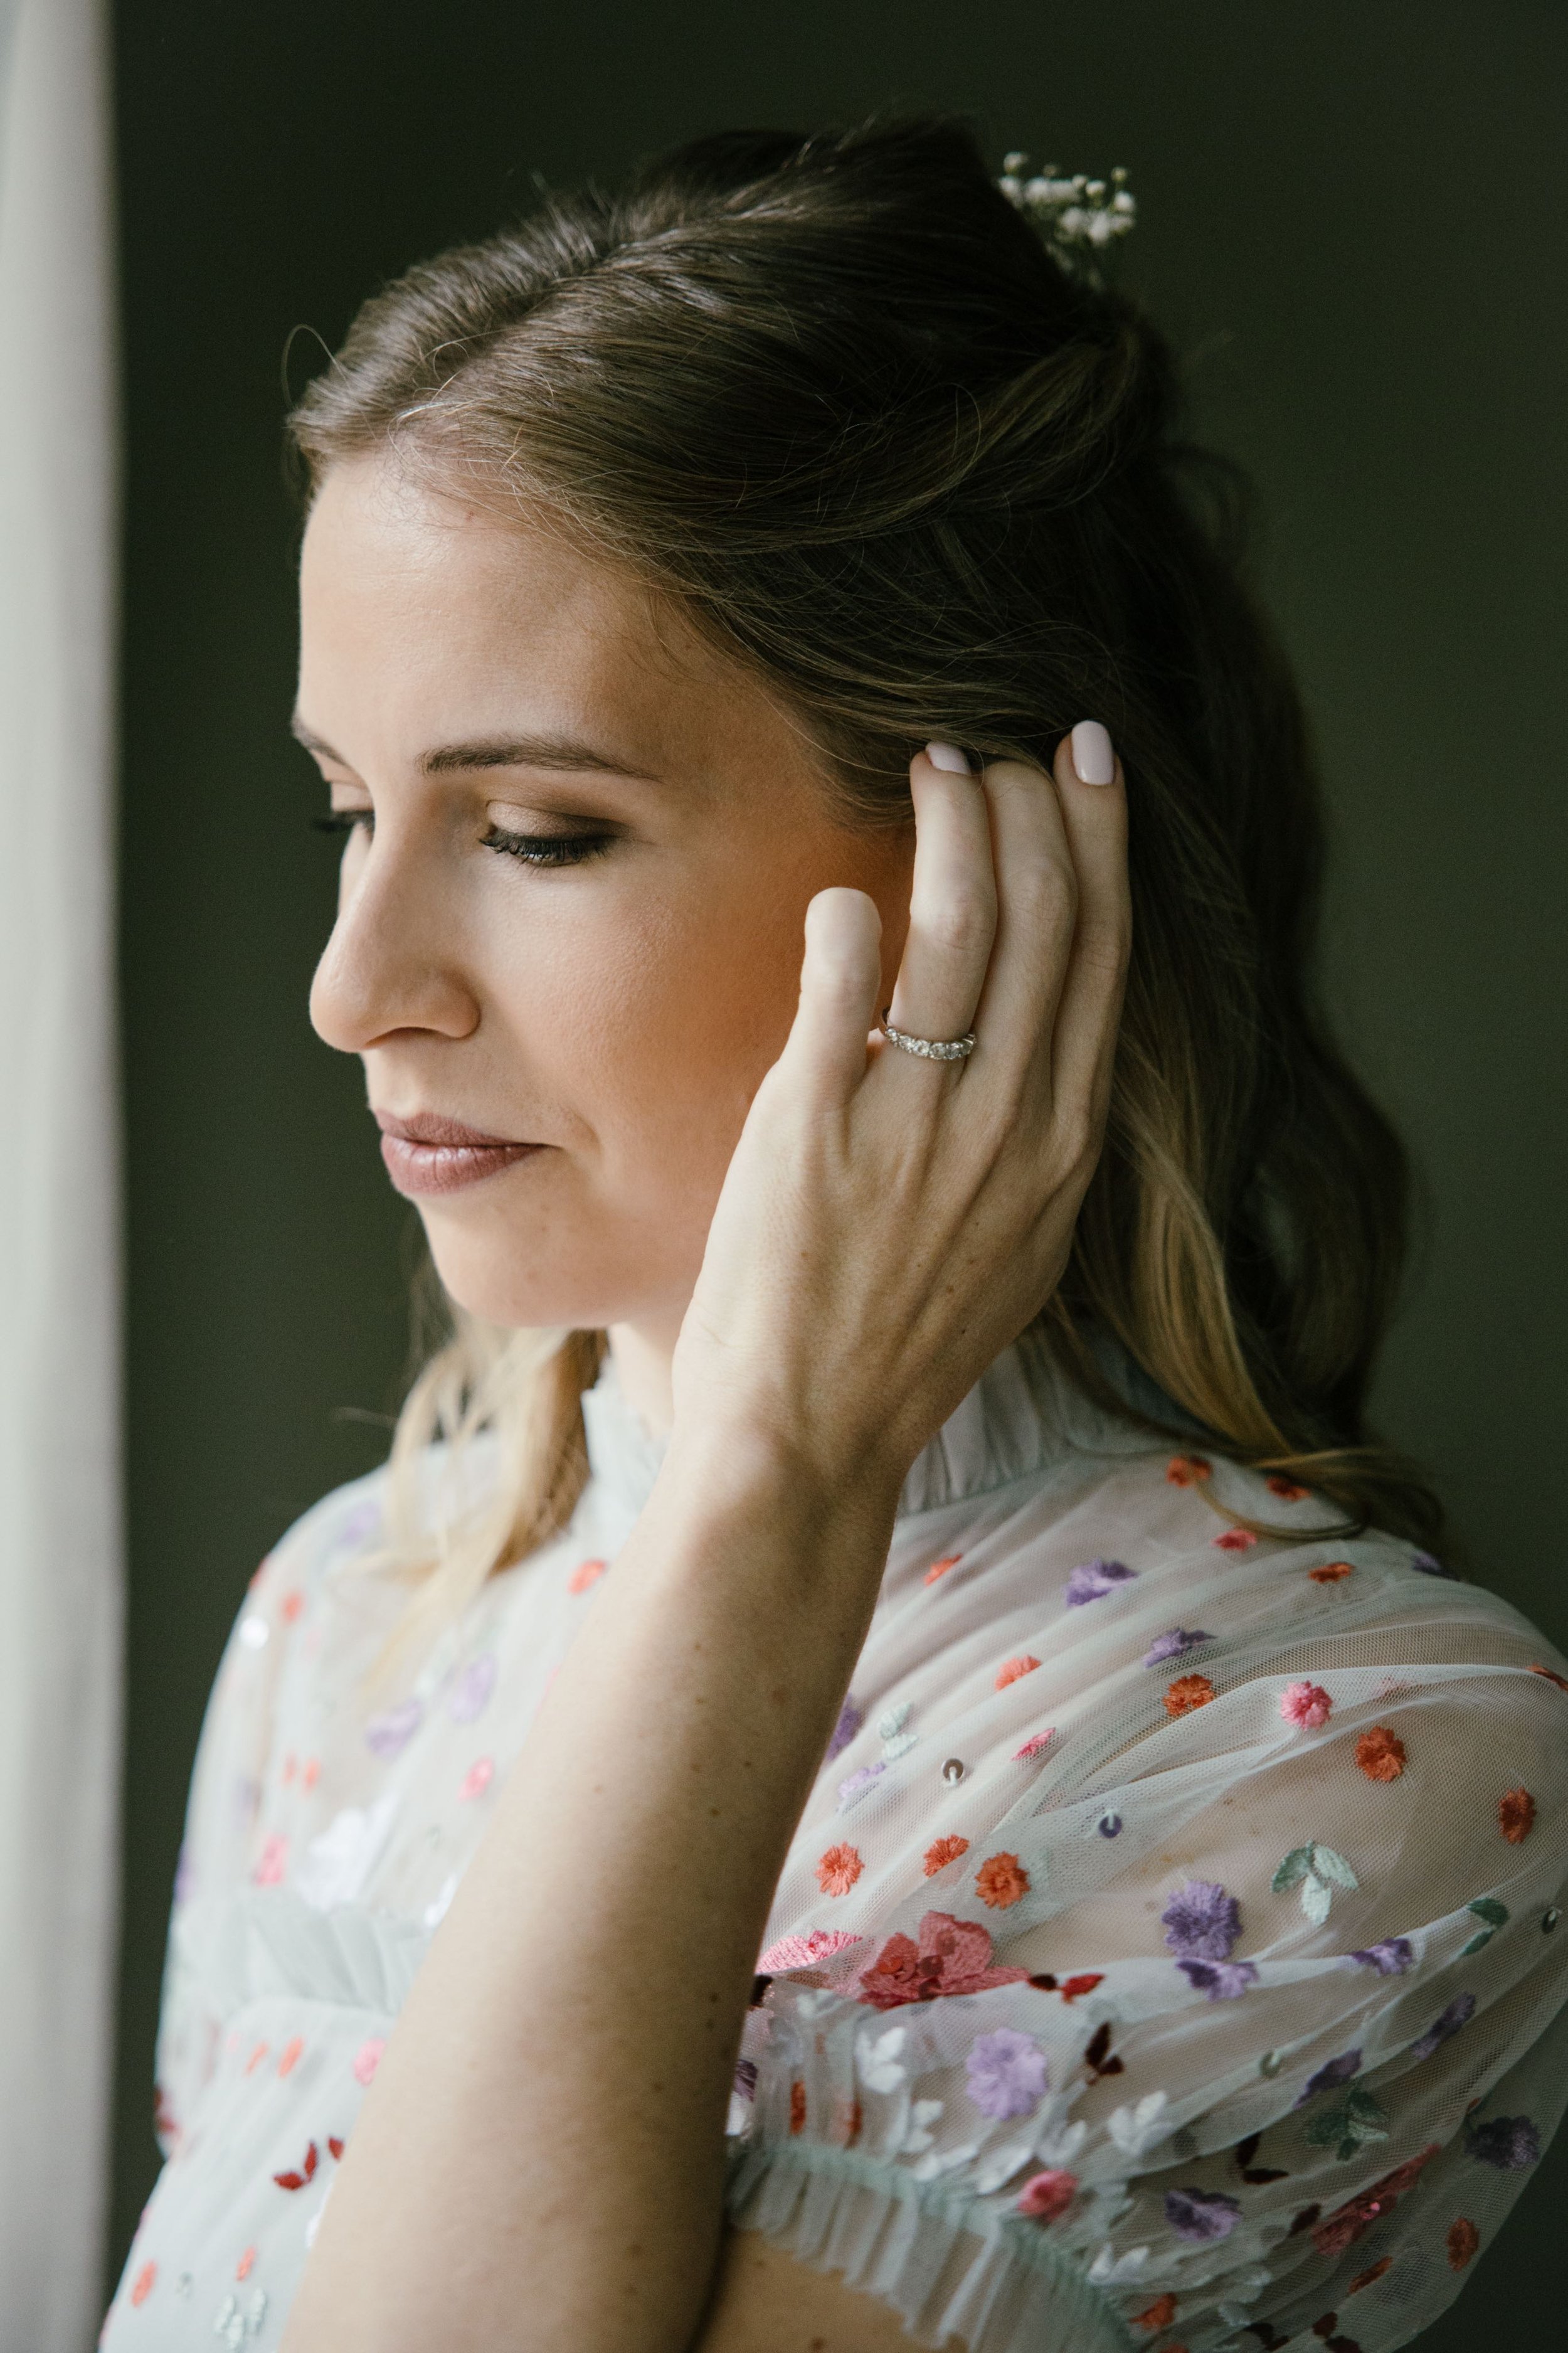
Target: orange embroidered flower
{"x":1011,"y":1670}
{"x":1001,"y":1882}
{"x":145,"y":2281}
{"x":292,"y":1603}
{"x":942,"y":1851}
{"x":1159,"y":2315}
{"x":1551,"y":1676}
{"x":1331,"y":1571}
{"x":1380,"y":1753}
{"x":245,"y":2265}
{"x":1188,"y":1470}
{"x":1464,"y":2239}
{"x":1373,"y":2272}
{"x":288,"y":2057}
{"x":847,"y":2118}
{"x":797,"y":2107}
{"x":1286,"y":1489}
{"x":1516,"y":1816}
{"x":255,"y":2058}
{"x":586,"y":1573}
{"x":940,"y":1567}
{"x":1187,"y":1692}
{"x":310,"y":1773}
{"x":838,"y":1870}
{"x":1236,"y":1540}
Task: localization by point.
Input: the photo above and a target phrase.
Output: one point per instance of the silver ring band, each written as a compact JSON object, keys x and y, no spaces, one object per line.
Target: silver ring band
{"x":930,"y":1050}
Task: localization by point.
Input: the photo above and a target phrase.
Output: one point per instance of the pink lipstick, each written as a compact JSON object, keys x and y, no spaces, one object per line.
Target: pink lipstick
{"x":430,"y":1155}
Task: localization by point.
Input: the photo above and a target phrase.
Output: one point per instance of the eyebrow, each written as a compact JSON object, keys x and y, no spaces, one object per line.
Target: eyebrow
{"x":564,"y":752}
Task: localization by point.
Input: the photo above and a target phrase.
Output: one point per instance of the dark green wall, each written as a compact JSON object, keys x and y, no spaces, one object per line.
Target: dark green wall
{"x":1354,"y":221}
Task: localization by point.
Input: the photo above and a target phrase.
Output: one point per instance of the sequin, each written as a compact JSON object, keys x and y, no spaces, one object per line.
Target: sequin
{"x":954,"y":1770}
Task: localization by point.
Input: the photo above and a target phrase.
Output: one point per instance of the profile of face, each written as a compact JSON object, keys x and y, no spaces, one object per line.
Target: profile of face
{"x":581,"y":844}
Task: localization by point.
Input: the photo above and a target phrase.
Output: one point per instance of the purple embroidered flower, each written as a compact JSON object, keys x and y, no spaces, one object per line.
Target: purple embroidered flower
{"x":1459,"y":2012}
{"x":850,"y":1719}
{"x":1334,"y":2071}
{"x":1110,"y":1826}
{"x":1390,"y":1959}
{"x":1172,"y":1645}
{"x":852,"y":1790}
{"x":471,"y":1691}
{"x":1200,"y":2215}
{"x":1510,"y":2143}
{"x":1221,"y":1981}
{"x":1007,"y":2073}
{"x":391,"y":1731}
{"x":1429,"y":1565}
{"x":1201,"y":1922}
{"x":1094,"y":1580}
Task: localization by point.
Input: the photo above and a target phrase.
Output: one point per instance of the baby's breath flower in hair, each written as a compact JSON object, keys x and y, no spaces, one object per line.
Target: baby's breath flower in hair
{"x":1079,"y":217}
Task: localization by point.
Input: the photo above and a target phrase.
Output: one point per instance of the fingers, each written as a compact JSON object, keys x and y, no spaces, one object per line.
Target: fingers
{"x":1083,"y":1045}
{"x":953,"y":907}
{"x":840,"y":977}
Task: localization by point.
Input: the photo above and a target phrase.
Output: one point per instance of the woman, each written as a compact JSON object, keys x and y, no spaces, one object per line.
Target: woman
{"x":888,"y":1763}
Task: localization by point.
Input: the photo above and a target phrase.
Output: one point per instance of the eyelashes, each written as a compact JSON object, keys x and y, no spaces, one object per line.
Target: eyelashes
{"x":528,"y":848}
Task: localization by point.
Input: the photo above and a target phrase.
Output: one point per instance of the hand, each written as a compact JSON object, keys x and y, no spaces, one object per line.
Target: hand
{"x":888,"y":1224}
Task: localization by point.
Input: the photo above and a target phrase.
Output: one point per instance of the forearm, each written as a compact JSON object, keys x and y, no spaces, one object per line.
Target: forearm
{"x":540,"y":2163}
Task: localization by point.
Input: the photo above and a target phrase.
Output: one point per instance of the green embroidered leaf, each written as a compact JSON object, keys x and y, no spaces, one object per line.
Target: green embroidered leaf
{"x":1328,"y":1864}
{"x":1488,"y":1908}
{"x":1475,"y":1942}
{"x":1317,"y":1897}
{"x":1352,"y":2122}
{"x":1295,"y":1867}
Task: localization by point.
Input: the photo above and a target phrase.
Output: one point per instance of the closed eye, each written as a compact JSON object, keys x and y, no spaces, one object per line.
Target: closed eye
{"x":547,"y":848}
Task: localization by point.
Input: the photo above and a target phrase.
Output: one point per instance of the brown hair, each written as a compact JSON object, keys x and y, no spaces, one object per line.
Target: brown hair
{"x":835,"y":395}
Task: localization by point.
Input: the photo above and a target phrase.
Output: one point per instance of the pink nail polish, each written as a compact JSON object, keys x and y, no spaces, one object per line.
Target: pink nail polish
{"x":948,"y":757}
{"x":1092,"y":756}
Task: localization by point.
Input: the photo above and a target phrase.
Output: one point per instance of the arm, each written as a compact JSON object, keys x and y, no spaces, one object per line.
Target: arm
{"x":876,"y":1245}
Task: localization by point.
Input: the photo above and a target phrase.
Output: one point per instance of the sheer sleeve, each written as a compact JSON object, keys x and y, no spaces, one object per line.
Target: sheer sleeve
{"x":1197,"y":1979}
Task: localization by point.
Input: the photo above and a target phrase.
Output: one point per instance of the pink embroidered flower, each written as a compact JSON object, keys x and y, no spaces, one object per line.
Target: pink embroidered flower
{"x":478,"y":1778}
{"x":940,"y":1567}
{"x":1516,"y":1816}
{"x":1380,"y":1753}
{"x":1306,"y":1706}
{"x":586,"y":1573}
{"x":1236,"y":1540}
{"x":1188,"y":1470}
{"x":1332,"y":1572}
{"x":367,"y":2059}
{"x":801,"y":1952}
{"x":1046,"y":2195}
{"x":952,"y":1956}
{"x":146,"y":2280}
{"x":838,"y":1870}
{"x":273,"y":1861}
{"x":1013,"y":1669}
{"x":942,"y":1851}
{"x":1001,"y":1882}
{"x":288,"y":2057}
{"x":1187,"y":1692}
{"x":1035,"y":1743}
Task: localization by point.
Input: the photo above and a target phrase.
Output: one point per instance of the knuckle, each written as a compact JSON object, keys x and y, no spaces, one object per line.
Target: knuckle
{"x":960,"y":927}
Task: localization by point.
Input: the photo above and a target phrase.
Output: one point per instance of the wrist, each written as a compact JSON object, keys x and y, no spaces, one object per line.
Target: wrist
{"x":732,"y":1465}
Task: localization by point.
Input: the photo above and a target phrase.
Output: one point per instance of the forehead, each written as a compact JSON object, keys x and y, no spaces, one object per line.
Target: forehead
{"x":426,"y":615}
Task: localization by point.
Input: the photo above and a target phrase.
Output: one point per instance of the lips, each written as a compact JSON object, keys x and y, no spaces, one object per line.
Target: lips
{"x":427,"y":1154}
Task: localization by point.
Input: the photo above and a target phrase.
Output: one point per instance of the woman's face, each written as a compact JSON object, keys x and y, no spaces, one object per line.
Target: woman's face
{"x":570,"y":916}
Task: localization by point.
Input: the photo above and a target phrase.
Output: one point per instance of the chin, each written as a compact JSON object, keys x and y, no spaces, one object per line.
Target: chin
{"x":530,"y":1280}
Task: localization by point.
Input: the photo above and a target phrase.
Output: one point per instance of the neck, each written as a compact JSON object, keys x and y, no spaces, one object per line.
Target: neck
{"x":642,"y":1354}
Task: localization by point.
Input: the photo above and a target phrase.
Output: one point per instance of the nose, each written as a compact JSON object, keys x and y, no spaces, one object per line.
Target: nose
{"x":391,"y":964}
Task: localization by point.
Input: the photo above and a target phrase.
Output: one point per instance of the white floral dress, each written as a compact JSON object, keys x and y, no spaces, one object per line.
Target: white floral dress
{"x":1169,"y":1955}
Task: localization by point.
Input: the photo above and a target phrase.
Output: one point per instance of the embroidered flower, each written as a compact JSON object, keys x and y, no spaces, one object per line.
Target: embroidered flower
{"x":1006,"y":2073}
{"x":1306,"y":1706}
{"x":1036,"y":1742}
{"x":1463,"y":2242}
{"x":940,"y":1567}
{"x":1201,"y":1922}
{"x":273,"y":1861}
{"x":586,"y":1573}
{"x":838,"y":1870}
{"x":1380,"y":1753}
{"x":471,"y":1691}
{"x":1158,"y":2315}
{"x":1001,"y":1882}
{"x":951,"y":1957}
{"x":1188,"y":1470}
{"x":1459,"y":2012}
{"x":477,"y":1779}
{"x":1093,"y":1580}
{"x":1136,"y":2127}
{"x":1172,"y":1645}
{"x":1012,"y":1670}
{"x":1187,"y":1692}
{"x":367,"y":2059}
{"x":1373,"y":2272}
{"x":942,"y":1851}
{"x":146,"y":2280}
{"x":1332,"y":1572}
{"x":879,"y":2059}
{"x":796,"y":2108}
{"x":1317,"y":1870}
{"x":1390,"y":1959}
{"x":1286,"y":1489}
{"x":390,"y":1732}
{"x":1221,"y":1981}
{"x":1351,"y":2220}
{"x":853,"y":1787}
{"x":850,"y":1719}
{"x":800,"y":1952}
{"x":1516,"y":1816}
{"x":290,"y":2057}
{"x":1332,"y":2072}
{"x":1235,"y":1540}
{"x":1046,"y":2195}
{"x":1200,"y":2215}
{"x":245,"y":2265}
{"x":1510,"y":2143}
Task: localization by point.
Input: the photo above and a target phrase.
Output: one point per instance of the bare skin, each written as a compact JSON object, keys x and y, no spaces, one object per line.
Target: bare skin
{"x":806,"y":1248}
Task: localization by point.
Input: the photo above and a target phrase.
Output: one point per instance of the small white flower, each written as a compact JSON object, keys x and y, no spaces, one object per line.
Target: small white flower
{"x":893,"y":1720}
{"x":881,"y":2069}
{"x":941,"y":2161}
{"x":1055,"y":2148}
{"x":1001,"y":2166}
{"x":899,"y":1746}
{"x":339,"y":1861}
{"x":435,"y":1912}
{"x":1137,"y":2127}
{"x":1108,"y":2267}
{"x":922,"y":2116}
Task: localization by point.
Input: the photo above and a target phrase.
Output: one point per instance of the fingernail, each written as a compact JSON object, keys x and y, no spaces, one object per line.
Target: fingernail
{"x":949,"y":756}
{"x":1092,"y":756}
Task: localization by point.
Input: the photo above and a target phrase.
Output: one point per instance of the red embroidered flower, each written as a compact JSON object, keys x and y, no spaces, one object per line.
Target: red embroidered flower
{"x":1351,"y":2220}
{"x":838,"y":1870}
{"x":1236,"y":1540}
{"x":1332,"y":1572}
{"x":1286,"y":1489}
{"x":1159,"y":2315}
{"x":586,"y":1573}
{"x":1046,"y":2195}
{"x":1188,"y":1470}
{"x":1306,"y":1706}
{"x":146,"y":2280}
{"x":942,"y":1851}
{"x":1012,"y":1670}
{"x":1551,"y":1676}
{"x":952,"y":1956}
{"x":797,"y":2107}
{"x":307,"y":2171}
{"x":1001,"y":1882}
{"x":1380,"y":1753}
{"x":1464,"y":2241}
{"x":1516,"y":1816}
{"x":1187,"y":1692}
{"x":940,"y":1567}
